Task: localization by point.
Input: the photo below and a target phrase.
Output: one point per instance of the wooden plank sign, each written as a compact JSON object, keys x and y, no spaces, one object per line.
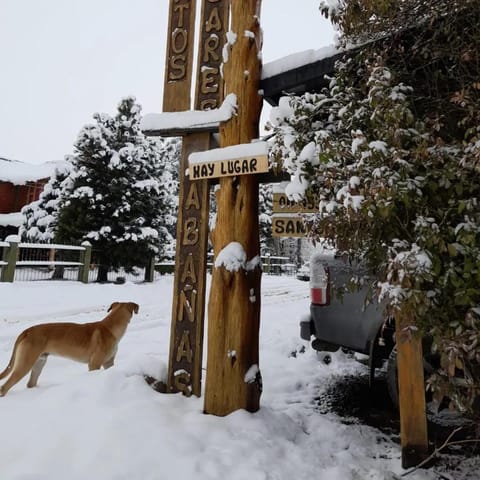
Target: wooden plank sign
{"x":209,"y":92}
{"x":188,"y":309}
{"x":241,"y":159}
{"x":282,"y":204}
{"x":179,"y":56}
{"x":288,"y":226}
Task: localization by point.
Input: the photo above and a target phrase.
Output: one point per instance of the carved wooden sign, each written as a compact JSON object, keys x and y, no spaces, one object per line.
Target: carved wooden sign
{"x":288,"y":226}
{"x":188,"y":309}
{"x":209,"y":92}
{"x":282,"y":204}
{"x":179,"y":56}
{"x":186,"y":341}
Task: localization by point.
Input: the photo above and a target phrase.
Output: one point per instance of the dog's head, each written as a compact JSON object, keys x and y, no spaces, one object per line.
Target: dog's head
{"x":130,"y":306}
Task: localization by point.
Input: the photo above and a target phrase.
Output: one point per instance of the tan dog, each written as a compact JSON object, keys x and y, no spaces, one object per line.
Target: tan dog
{"x":94,"y":343}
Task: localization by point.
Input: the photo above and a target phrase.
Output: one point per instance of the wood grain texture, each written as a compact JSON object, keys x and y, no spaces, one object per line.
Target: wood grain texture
{"x":411,"y":388}
{"x":234,"y":303}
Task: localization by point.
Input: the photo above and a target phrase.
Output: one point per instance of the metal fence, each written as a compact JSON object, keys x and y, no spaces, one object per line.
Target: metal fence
{"x":41,"y":261}
{"x":21,"y":261}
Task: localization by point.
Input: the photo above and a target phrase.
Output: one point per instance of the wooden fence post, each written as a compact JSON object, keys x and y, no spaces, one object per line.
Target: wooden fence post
{"x":85,"y":258}
{"x":411,"y":393}
{"x":10,"y":255}
{"x":150,"y":270}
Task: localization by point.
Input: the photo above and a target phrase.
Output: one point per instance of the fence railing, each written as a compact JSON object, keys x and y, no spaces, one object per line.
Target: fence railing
{"x":20,"y":261}
{"x":44,"y":261}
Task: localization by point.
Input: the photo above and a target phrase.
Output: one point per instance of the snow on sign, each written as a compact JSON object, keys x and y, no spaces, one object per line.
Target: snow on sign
{"x":244,"y":159}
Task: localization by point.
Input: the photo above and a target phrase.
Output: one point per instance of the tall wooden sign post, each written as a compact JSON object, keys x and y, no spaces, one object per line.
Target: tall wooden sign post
{"x":233,"y":378}
{"x":188,"y":309}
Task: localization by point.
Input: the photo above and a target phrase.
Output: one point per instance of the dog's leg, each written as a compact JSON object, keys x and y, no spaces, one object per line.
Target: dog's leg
{"x":24,"y":362}
{"x":37,"y":370}
{"x":96,"y":356}
{"x":108,"y":363}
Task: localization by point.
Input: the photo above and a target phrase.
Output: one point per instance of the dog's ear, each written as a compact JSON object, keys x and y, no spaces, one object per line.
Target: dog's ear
{"x":113,"y":305}
{"x":133,"y":307}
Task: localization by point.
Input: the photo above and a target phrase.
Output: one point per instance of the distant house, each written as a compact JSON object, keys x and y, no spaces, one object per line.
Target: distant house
{"x":20,"y":184}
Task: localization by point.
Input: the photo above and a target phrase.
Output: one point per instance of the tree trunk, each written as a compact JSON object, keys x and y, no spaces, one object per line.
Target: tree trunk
{"x":233,"y":379}
{"x":102,"y":275}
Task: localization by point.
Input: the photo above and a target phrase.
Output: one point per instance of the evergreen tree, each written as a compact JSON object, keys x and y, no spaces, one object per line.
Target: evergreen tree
{"x":120,"y":192}
{"x":40,"y":217}
{"x":265,"y":204}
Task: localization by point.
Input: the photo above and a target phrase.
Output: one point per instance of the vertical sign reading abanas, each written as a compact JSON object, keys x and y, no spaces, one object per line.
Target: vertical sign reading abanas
{"x":186,"y":343}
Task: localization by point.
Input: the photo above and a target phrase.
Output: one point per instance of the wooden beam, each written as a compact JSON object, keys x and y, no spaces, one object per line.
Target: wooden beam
{"x":411,"y":388}
{"x":181,"y":132}
{"x":233,"y":379}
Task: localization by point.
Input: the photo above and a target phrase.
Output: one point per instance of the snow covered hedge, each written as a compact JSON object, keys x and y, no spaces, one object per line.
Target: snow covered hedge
{"x":392,"y":148}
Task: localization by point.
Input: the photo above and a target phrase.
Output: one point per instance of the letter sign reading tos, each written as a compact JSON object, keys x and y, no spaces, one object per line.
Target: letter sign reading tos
{"x":229,"y":161}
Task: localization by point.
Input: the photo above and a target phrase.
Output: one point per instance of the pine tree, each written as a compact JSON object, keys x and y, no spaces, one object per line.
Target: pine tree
{"x":121,"y":192}
{"x":40,"y":217}
{"x":265,"y":205}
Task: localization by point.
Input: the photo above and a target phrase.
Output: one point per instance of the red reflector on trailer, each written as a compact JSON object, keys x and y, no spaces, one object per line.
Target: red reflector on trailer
{"x":319,"y":280}
{"x":318,"y":296}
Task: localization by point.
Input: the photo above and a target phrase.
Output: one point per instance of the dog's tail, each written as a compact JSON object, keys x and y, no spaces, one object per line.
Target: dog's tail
{"x":12,"y":358}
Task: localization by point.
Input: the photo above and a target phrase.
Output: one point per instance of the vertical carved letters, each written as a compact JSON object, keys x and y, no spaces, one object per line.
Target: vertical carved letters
{"x":185,"y":348}
{"x":212,"y":39}
{"x":187,"y":305}
{"x":214,"y":22}
{"x":192,"y":200}
{"x":209,"y":79}
{"x":211,"y":49}
{"x":190,"y":233}
{"x":189,"y":270}
{"x":180,"y":40}
{"x":182,"y":382}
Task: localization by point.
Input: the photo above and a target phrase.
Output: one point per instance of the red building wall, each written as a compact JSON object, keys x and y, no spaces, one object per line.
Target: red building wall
{"x":14,"y":197}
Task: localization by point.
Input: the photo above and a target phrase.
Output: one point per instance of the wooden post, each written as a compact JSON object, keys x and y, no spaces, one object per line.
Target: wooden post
{"x":411,"y":391}
{"x":10,"y":255}
{"x":233,"y":379}
{"x":188,"y":311}
{"x":150,"y":270}
{"x":85,"y":258}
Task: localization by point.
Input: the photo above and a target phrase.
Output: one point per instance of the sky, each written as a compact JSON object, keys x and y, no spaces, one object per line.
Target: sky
{"x":61,"y":61}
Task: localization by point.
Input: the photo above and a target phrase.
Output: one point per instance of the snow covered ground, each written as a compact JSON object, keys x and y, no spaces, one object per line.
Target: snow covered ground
{"x":110,"y":424}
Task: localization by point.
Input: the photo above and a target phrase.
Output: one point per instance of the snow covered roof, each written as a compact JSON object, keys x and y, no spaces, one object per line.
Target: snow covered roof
{"x":11,"y":219}
{"x":19,"y":173}
{"x":298,"y":73}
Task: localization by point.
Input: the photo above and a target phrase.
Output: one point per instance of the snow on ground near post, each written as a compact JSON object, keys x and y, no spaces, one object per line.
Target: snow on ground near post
{"x":110,"y":424}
